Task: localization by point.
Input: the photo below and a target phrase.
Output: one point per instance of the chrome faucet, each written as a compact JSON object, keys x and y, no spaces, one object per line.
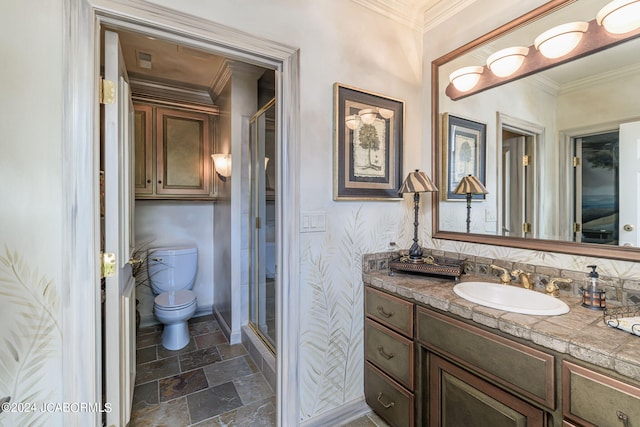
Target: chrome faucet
{"x":525,"y":278}
{"x":505,"y":277}
{"x":552,"y":287}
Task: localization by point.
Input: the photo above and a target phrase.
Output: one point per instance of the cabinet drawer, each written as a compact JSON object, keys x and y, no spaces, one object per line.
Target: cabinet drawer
{"x":387,"y":398}
{"x":389,"y":310}
{"x":592,"y":399}
{"x":511,"y":364}
{"x":390,"y":352}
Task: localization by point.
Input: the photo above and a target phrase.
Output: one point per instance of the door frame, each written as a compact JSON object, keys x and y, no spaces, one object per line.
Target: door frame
{"x":81,"y":302}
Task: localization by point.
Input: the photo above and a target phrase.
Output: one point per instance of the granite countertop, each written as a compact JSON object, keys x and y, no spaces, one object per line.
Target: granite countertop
{"x":580,"y":333}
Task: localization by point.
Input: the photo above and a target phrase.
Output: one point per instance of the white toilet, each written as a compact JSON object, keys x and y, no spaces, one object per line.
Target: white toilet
{"x":172,"y":273}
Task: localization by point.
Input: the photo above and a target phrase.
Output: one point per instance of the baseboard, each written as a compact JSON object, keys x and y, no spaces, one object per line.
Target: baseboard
{"x":340,"y":415}
{"x":203,"y":311}
{"x":226,"y":330}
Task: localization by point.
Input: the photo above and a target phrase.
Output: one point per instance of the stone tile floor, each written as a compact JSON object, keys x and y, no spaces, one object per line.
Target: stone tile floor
{"x":207,"y":383}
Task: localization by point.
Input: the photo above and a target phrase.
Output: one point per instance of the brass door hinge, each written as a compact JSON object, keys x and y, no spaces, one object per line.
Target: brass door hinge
{"x":258,"y":222}
{"x":525,"y":160}
{"x":576,"y":162}
{"x":107,"y":264}
{"x":526,"y":227}
{"x":577,"y":227}
{"x":107,"y":91}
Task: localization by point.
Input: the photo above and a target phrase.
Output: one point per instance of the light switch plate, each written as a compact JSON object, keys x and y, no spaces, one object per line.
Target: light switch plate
{"x":313,"y":222}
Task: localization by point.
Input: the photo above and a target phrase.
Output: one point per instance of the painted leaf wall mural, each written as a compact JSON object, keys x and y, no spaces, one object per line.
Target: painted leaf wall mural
{"x":332,"y":359}
{"x":29,"y":341}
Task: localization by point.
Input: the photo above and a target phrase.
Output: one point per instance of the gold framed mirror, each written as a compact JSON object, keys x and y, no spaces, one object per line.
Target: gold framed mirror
{"x":553,"y":193}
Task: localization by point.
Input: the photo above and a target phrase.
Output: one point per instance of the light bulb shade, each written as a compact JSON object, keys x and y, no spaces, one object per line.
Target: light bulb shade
{"x":560,"y":40}
{"x":470,"y":185}
{"x":466,"y":78}
{"x":505,"y":62}
{"x":620,"y":16}
{"x":368,"y":116}
{"x":222,"y":163}
{"x":385,"y":113}
{"x":417,"y":182}
{"x":352,"y":121}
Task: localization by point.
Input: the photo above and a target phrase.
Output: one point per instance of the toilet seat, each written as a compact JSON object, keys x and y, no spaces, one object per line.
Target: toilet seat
{"x":181,"y":299}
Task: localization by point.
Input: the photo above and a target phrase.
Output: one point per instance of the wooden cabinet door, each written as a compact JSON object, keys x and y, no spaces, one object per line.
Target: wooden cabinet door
{"x":143,"y":139}
{"x":458,"y":398}
{"x":183,"y":166}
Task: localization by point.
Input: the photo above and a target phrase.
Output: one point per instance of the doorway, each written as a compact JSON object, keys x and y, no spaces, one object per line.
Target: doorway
{"x":597,"y":196}
{"x":81,"y":121}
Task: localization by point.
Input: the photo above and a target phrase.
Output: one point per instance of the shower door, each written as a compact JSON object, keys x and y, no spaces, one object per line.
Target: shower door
{"x":262,"y":224}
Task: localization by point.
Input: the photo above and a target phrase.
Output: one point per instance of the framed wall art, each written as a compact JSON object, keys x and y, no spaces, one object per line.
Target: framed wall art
{"x":464,"y":153}
{"x":368,"y":145}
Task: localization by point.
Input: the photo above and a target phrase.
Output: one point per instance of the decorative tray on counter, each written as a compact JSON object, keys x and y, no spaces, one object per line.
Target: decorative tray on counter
{"x":438,"y":266}
{"x":625,"y":318}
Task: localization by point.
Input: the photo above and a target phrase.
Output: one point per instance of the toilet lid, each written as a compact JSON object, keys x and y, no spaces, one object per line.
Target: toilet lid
{"x":181,"y":298}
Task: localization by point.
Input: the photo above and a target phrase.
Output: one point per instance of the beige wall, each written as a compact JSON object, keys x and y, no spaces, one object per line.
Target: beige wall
{"x":31,"y":203}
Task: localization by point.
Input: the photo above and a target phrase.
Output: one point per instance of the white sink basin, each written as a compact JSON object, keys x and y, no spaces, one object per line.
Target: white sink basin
{"x":510,"y":298}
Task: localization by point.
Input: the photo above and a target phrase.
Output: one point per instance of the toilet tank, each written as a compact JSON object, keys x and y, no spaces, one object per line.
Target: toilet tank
{"x":172,"y":268}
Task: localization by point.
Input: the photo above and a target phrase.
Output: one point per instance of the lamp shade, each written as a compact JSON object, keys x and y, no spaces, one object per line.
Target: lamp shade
{"x":620,"y":16}
{"x":470,"y":185}
{"x":505,"y":62}
{"x":560,"y":40}
{"x":417,"y":182}
{"x":352,"y":121}
{"x":222,"y":163}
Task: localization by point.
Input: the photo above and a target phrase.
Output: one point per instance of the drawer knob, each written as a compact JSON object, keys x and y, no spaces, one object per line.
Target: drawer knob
{"x":385,"y":405}
{"x":384,"y":313}
{"x":624,"y":417}
{"x":384,"y":354}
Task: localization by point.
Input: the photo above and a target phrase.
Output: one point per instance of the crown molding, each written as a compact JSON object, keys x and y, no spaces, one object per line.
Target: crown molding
{"x":419,"y":15}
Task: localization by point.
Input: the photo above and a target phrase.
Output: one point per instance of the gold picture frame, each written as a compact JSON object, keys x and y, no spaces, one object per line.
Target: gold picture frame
{"x":369,"y":130}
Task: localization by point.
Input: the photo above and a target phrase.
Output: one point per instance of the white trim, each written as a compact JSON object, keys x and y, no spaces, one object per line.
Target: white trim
{"x":340,"y":415}
{"x":81,"y":301}
{"x":81,"y":298}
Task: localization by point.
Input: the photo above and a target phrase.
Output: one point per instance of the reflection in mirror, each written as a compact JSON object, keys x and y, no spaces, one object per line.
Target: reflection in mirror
{"x":561,"y":145}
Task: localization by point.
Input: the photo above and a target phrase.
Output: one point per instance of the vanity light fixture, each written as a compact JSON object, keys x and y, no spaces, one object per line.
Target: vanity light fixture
{"x":559,"y":41}
{"x":466,"y":78}
{"x":505,"y":62}
{"x":352,"y":121}
{"x":385,"y":113}
{"x":470,"y":185}
{"x":222,"y":164}
{"x":368,"y":115}
{"x":416,"y":182}
{"x":620,"y":16}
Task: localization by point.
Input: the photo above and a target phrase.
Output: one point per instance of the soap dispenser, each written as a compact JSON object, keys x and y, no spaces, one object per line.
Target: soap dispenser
{"x":592,"y":297}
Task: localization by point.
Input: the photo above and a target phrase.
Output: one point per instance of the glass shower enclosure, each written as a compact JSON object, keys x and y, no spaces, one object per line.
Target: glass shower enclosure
{"x":262,"y":223}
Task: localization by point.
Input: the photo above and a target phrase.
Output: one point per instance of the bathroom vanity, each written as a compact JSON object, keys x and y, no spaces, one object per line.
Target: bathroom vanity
{"x":435,"y":359}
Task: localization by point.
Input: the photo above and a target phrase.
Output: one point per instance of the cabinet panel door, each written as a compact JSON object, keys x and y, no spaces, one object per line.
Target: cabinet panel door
{"x":143,"y":121}
{"x":592,"y":399}
{"x":459,"y":398}
{"x":182,"y":153}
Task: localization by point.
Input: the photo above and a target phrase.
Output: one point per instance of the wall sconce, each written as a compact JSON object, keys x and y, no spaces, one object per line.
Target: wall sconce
{"x":620,"y":16}
{"x":505,"y":62}
{"x":385,"y":113}
{"x":560,"y":40}
{"x":470,"y":185}
{"x":466,"y":78}
{"x":222,"y":164}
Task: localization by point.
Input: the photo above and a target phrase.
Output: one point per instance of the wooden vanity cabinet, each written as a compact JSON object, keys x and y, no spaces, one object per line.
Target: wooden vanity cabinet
{"x":459,"y":398}
{"x":389,"y":354}
{"x":592,"y":399}
{"x":172,"y":153}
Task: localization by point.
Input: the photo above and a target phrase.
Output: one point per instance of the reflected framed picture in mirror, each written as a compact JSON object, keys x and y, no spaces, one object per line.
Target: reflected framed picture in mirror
{"x":464,"y":153}
{"x":368,"y":145}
